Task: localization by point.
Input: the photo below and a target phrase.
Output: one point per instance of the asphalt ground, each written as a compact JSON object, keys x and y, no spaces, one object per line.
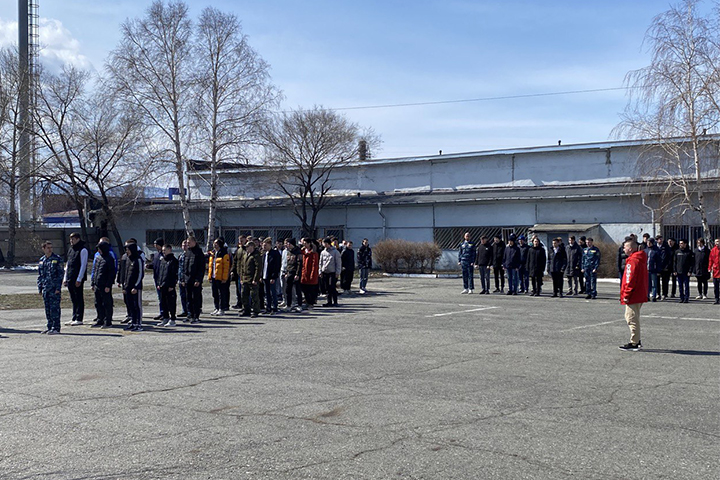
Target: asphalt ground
{"x":412,"y":380}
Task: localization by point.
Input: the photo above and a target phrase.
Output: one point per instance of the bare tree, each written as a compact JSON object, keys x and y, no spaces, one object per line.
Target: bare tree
{"x":674,"y":103}
{"x":12,"y":173}
{"x":113,"y":164}
{"x":151,"y":70}
{"x":308,"y":145}
{"x":234,"y":96}
{"x":59,"y":124}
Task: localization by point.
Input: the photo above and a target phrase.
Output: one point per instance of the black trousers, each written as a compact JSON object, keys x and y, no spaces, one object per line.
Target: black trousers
{"x":194,"y":300}
{"x":292,"y":285}
{"x":537,"y":281}
{"x":310,"y":293}
{"x":330,"y":282}
{"x":77,"y":299}
{"x":168,"y":300}
{"x":499,"y":277}
{"x":104,"y":306}
{"x":221,"y":294}
{"x":557,"y":278}
{"x":346,"y":278}
{"x":665,"y":282}
{"x":702,"y":283}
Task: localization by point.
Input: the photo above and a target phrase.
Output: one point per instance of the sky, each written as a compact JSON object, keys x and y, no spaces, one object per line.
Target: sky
{"x":344,"y":55}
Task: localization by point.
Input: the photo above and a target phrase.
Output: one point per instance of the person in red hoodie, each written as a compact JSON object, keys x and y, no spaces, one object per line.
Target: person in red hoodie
{"x":633,"y":290}
{"x":715,"y":269}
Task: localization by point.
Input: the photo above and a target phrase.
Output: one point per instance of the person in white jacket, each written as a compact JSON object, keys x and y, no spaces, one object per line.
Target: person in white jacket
{"x":330,"y":266}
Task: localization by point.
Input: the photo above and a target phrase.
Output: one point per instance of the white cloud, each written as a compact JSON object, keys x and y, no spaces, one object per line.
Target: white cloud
{"x":57,"y":44}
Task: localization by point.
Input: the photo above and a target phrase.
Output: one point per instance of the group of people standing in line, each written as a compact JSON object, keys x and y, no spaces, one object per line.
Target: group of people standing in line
{"x":524,"y":266}
{"x":268,"y":277}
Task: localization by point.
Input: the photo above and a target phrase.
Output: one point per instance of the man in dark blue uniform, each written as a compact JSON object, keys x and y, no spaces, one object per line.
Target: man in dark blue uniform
{"x":49,"y":282}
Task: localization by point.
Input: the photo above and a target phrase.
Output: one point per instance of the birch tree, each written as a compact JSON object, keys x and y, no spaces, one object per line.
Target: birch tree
{"x":674,"y":102}
{"x":152,"y":71}
{"x":234,"y":96}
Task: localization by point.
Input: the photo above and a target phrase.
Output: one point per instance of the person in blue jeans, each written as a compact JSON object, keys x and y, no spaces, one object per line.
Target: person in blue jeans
{"x":511,"y":264}
{"x":654,"y":265}
{"x":466,"y":260}
{"x":522,"y":271}
{"x":364,"y":264}
{"x":590,"y":264}
{"x":683,"y":263}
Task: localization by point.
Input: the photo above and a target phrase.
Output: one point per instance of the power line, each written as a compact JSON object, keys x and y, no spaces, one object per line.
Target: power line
{"x":482,"y":99}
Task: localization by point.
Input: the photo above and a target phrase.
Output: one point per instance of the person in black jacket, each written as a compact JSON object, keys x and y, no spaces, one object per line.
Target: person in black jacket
{"x":132,"y":286}
{"x":75,"y":276}
{"x":192,"y":278}
{"x":574,"y":265}
{"x":683,"y":263}
{"x":498,"y":253}
{"x":511,"y":264}
{"x":582,"y":241}
{"x":701,"y":271}
{"x":484,"y":263}
{"x":535,"y":265}
{"x":665,"y":265}
{"x":558,"y":262}
{"x":159,"y":243}
{"x":674,"y":247}
{"x":167,"y":279}
{"x":347,"y":258}
{"x":522,"y":271}
{"x":364,"y":263}
{"x":292,"y":275}
{"x":271,"y":260}
{"x":102,"y":283}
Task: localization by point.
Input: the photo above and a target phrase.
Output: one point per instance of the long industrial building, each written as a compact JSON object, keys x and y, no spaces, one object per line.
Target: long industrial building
{"x":597,"y":189}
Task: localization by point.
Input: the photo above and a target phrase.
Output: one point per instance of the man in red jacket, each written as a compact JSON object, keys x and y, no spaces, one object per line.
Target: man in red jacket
{"x":633,"y":290}
{"x":715,"y":269}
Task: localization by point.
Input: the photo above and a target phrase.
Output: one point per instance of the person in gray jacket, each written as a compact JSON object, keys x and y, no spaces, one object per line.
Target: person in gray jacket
{"x":330,"y":266}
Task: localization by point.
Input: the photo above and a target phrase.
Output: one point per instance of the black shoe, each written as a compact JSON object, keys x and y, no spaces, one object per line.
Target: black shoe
{"x":130,"y":327}
{"x":496,"y":290}
{"x":182,"y":315}
{"x":126,"y":320}
{"x":107,"y":325}
{"x":509,"y":293}
{"x":326,"y":305}
{"x":717,"y":302}
{"x":631,"y":347}
{"x":569,"y":292}
{"x":97,"y":325}
{"x":588,"y":297}
{"x":561,"y":295}
{"x":253,"y":315}
{"x":158,"y":317}
{"x":236,"y":307}
{"x":554,"y":295}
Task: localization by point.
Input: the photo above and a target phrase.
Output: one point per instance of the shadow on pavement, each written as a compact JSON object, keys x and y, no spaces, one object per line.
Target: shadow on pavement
{"x":17,"y":330}
{"x":682,"y":352}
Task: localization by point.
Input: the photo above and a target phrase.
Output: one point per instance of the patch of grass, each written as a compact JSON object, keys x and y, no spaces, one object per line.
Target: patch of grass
{"x":25,"y":301}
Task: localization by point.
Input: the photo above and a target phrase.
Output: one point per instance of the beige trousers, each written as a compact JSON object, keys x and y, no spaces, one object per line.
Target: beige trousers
{"x":632,"y":317}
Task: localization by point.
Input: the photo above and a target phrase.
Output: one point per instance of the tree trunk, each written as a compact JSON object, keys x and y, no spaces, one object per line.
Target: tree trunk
{"x":213,"y":200}
{"x":110,"y":215}
{"x":12,"y":226}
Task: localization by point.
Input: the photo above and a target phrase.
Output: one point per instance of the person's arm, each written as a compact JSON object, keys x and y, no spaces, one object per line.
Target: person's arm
{"x":83,"y":264}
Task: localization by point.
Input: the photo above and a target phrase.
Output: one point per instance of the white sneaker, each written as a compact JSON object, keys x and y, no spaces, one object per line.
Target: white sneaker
{"x":282,"y":305}
{"x":699,"y":297}
{"x":705,"y":297}
{"x":464,"y":291}
{"x":221,"y":313}
{"x":170,"y":323}
{"x":361,"y":292}
{"x":162,"y":323}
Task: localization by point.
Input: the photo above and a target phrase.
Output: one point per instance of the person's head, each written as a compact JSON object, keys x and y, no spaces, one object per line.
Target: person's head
{"x":267,"y":244}
{"x":131,"y":240}
{"x":496,"y":239}
{"x":242,"y":240}
{"x":366,"y":242}
{"x":327,"y":242}
{"x":717,"y":242}
{"x":74,"y":238}
{"x":159,"y":243}
{"x":467,"y":236}
{"x":555,"y":242}
{"x":630,"y":246}
{"x":290,"y":243}
{"x":511,"y":239}
{"x":191,"y":242}
{"x":167,"y":250}
{"x":307,"y":243}
{"x":335,"y":243}
{"x":700,"y":242}
{"x":250,"y":246}
{"x":671,"y":242}
{"x":590,"y":242}
{"x":571,"y":239}
{"x":659,"y":239}
{"x":349,"y":244}
{"x":279,"y":244}
{"x":217,"y":245}
{"x":646,"y":236}
{"x":683,"y":244}
{"x":632,"y":235}
{"x":650,"y":242}
{"x":521,"y":239}
{"x":47,"y":247}
{"x":483,"y":239}
{"x":184,"y":245}
{"x":582,"y":239}
{"x":536,"y":242}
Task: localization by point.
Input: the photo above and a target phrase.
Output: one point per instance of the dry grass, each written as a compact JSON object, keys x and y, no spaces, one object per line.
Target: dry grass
{"x":25,"y":301}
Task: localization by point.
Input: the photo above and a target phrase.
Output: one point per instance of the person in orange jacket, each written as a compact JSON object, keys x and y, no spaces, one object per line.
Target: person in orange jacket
{"x":219,"y":276}
{"x":633,"y":290}
{"x":715,"y":269}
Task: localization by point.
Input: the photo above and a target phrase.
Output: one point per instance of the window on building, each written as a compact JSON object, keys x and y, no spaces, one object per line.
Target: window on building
{"x":450,"y":237}
{"x":689,"y":232}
